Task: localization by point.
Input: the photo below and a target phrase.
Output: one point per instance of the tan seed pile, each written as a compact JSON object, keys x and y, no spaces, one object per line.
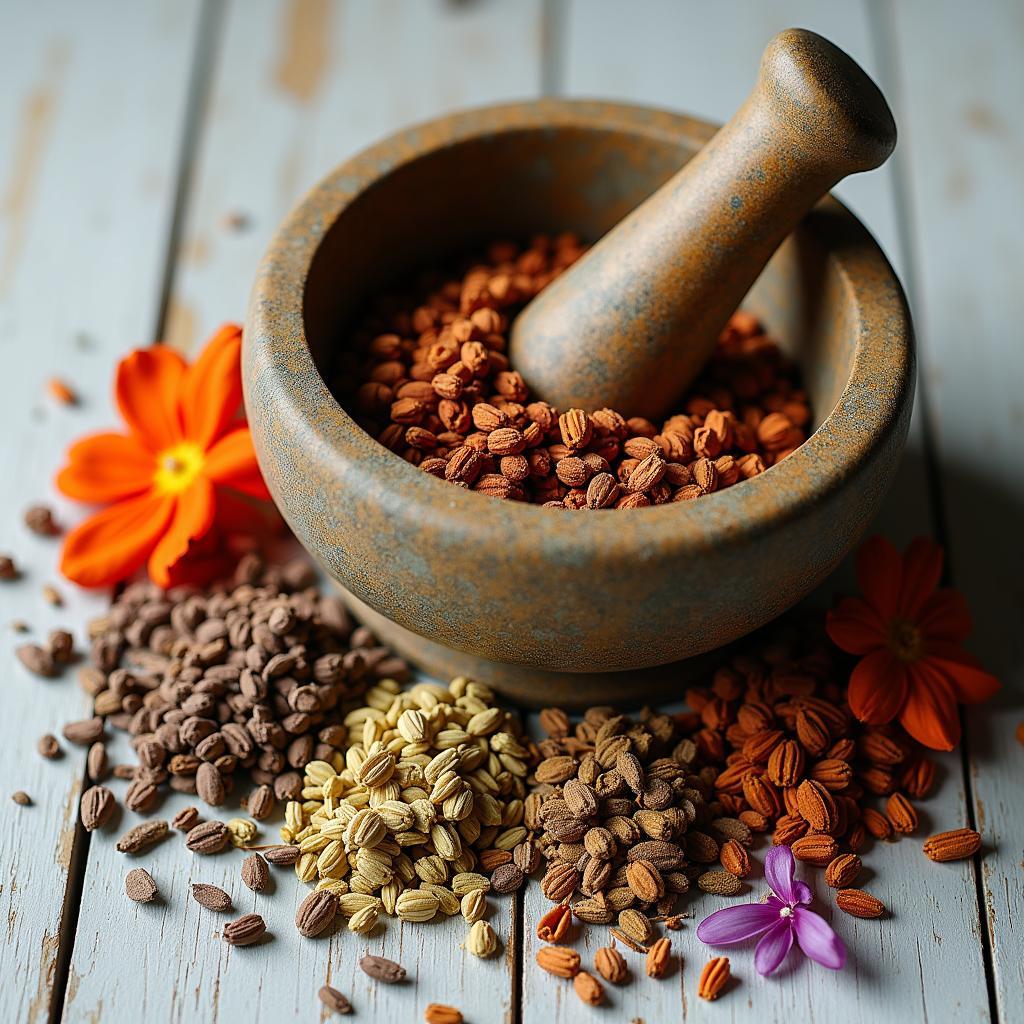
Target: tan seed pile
{"x":622,"y":811}
{"x":427,"y":802}
{"x":429,"y":378}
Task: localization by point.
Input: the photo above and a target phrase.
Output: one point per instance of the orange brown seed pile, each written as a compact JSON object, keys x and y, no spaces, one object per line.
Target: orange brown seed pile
{"x":429,"y":378}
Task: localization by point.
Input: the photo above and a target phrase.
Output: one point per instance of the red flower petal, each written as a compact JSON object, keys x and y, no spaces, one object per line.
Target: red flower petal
{"x":146,"y":389}
{"x":232,"y":462}
{"x":930,"y":713}
{"x":970,"y":683}
{"x":878,"y":688}
{"x":855,"y":627}
{"x":880,"y":574}
{"x":114,"y":543}
{"x":106,"y":467}
{"x":922,"y":570}
{"x":945,"y":617}
{"x":211,"y":392}
{"x":193,"y":517}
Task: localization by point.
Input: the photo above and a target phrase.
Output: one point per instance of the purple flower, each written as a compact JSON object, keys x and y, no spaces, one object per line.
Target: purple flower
{"x":781,"y":917}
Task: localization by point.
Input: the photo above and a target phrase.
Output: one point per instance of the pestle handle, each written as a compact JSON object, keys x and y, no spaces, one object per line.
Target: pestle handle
{"x":631,"y":323}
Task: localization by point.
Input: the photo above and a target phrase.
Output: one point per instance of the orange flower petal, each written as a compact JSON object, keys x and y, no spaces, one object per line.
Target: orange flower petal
{"x":232,"y":462}
{"x":922,"y":570}
{"x":238,"y":515}
{"x":148,"y":382}
{"x":208,"y":559}
{"x":211,"y":393}
{"x":945,"y":617}
{"x":879,"y":575}
{"x":855,"y":627}
{"x":193,"y":517}
{"x":878,"y":688}
{"x":930,"y":714}
{"x":970,"y":683}
{"x":114,"y":543}
{"x":106,"y":467}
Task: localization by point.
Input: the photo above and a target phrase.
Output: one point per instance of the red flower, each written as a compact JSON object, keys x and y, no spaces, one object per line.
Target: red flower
{"x":176,"y":475}
{"x":910,"y":633}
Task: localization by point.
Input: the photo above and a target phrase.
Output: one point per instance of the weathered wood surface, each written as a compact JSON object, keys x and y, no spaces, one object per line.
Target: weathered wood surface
{"x":962,"y":82}
{"x":295,"y":89}
{"x":91,"y":108}
{"x":95,"y":109}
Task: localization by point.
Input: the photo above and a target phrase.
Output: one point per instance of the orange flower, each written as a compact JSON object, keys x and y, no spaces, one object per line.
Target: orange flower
{"x":187,"y":454}
{"x":910,"y":633}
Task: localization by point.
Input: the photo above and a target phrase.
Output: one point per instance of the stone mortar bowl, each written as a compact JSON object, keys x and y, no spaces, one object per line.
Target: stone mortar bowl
{"x":550,"y":606}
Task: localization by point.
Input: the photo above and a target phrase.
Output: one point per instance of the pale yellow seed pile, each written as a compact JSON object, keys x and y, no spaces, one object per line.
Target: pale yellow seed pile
{"x":432,"y":777}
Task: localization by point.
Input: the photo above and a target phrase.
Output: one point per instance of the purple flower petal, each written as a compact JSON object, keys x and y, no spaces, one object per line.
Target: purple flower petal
{"x":735,"y":924}
{"x":778,"y":873}
{"x":817,"y":939}
{"x":772,"y":949}
{"x":803,"y":892}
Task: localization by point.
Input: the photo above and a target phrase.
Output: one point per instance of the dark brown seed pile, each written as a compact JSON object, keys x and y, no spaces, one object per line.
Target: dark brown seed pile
{"x":428,"y":376}
{"x":243,"y":675}
{"x":625,"y":817}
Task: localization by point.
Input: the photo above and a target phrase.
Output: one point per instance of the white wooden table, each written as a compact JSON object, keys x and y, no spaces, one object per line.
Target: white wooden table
{"x":132,"y":134}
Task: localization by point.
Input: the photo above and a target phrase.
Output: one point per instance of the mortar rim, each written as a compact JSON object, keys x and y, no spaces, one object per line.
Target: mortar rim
{"x":275,"y":345}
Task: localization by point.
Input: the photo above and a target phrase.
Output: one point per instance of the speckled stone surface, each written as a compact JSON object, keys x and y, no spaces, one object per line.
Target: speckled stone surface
{"x":564,"y":594}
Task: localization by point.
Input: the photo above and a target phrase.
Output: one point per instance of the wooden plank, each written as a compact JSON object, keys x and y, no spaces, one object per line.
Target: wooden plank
{"x":93,"y":98}
{"x":298,"y":87}
{"x":924,"y":962}
{"x":280,"y":120}
{"x":962,"y":82}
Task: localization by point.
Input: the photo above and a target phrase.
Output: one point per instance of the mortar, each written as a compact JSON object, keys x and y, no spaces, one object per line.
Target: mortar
{"x":557,"y":607}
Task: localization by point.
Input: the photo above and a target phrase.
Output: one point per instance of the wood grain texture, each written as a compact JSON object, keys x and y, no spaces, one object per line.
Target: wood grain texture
{"x":962,"y":83}
{"x":88,"y":114}
{"x":270,"y":134}
{"x":275,"y":124}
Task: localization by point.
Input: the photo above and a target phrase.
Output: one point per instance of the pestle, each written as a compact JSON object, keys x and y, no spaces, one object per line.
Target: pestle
{"x":631,"y":323}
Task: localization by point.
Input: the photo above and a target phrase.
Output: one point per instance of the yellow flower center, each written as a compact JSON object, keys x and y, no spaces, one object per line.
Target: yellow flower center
{"x":177,"y":467}
{"x":905,"y":640}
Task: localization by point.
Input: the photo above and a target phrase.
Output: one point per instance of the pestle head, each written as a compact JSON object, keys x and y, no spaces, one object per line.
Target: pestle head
{"x":631,"y":323}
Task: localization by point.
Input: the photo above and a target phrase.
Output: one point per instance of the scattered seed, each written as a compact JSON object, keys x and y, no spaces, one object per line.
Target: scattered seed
{"x":97,"y":807}
{"x":49,"y":747}
{"x":249,"y":928}
{"x":438,"y":1013}
{"x":255,"y":873}
{"x":61,"y":645}
{"x":210,"y":896}
{"x":37,"y":660}
{"x":334,"y":1000}
{"x":186,"y":819}
{"x":19,"y":796}
{"x":61,"y":391}
{"x":143,"y":836}
{"x":8,"y":569}
{"x":381,"y":969}
{"x":52,"y":596}
{"x":39,"y":519}
{"x":139,"y":886}
{"x":713,"y":978}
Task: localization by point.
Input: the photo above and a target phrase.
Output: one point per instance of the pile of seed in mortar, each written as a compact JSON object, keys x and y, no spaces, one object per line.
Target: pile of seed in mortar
{"x":427,"y":375}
